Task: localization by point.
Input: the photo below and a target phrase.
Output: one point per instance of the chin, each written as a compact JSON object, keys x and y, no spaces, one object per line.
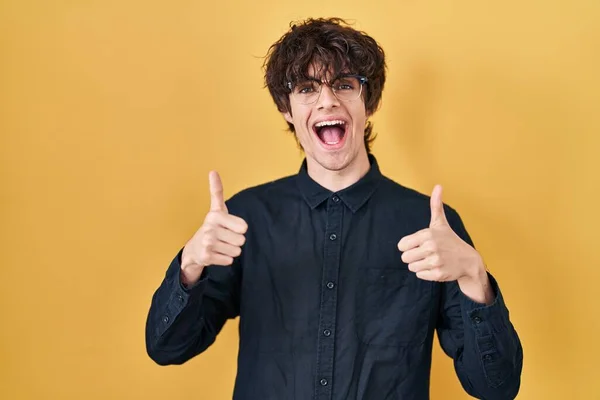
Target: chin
{"x":334,"y":161}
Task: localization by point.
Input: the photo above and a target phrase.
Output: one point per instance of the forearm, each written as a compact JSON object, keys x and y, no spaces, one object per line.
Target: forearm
{"x":490,"y":362}
{"x":181,"y":321}
{"x":475,"y":328}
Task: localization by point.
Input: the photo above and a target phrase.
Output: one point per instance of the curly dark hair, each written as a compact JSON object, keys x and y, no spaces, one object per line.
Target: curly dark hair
{"x":334,"y":46}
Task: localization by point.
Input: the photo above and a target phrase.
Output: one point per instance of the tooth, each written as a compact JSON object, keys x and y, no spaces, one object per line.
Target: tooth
{"x":330,"y":123}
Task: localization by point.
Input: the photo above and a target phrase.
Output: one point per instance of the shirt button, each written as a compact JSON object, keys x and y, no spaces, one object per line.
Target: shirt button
{"x":487,"y":358}
{"x":333,"y":236}
{"x":335,"y":199}
{"x":327,"y":332}
{"x":477,"y":320}
{"x":330,"y":285}
{"x":323,"y":382}
{"x":166,"y":319}
{"x":180,"y":298}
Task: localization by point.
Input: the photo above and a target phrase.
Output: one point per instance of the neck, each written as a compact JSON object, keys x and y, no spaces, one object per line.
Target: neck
{"x":340,"y":179}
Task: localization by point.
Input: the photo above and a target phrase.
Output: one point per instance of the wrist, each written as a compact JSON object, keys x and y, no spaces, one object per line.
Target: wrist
{"x":475,"y":284}
{"x":190,"y":273}
{"x":475,"y":272}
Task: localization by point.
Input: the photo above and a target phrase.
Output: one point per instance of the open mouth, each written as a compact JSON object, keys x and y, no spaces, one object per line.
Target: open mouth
{"x":331,"y":133}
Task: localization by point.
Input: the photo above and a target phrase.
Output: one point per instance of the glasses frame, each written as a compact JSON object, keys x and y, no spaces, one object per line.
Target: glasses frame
{"x":361,"y":79}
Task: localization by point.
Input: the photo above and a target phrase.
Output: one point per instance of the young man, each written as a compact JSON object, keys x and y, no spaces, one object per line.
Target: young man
{"x":339,"y":275}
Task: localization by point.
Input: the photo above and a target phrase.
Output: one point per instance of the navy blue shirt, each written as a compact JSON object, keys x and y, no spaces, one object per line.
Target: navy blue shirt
{"x":327,"y":308}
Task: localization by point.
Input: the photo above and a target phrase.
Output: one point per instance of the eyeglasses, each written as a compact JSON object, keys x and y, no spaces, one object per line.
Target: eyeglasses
{"x":345,"y":88}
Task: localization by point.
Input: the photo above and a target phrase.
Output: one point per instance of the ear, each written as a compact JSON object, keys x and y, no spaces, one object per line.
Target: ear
{"x":288,"y":117}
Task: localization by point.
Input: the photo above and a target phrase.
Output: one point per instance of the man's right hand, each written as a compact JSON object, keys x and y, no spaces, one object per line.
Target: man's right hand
{"x":219,"y":239}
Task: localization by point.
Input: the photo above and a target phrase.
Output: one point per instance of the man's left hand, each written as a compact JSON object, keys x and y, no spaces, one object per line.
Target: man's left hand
{"x":437,"y":253}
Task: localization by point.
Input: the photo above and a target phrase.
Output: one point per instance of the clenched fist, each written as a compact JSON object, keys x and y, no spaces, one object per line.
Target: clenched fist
{"x":219,"y":239}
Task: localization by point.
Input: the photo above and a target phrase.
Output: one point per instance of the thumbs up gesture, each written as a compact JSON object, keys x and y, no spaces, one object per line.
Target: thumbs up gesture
{"x":219,"y":239}
{"x":437,"y":253}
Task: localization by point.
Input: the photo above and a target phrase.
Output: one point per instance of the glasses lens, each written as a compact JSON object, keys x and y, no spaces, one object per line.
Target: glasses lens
{"x":347,"y":88}
{"x":306,"y":92}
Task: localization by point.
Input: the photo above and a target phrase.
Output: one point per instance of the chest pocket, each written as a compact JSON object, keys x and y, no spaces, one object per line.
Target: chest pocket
{"x":393,"y":306}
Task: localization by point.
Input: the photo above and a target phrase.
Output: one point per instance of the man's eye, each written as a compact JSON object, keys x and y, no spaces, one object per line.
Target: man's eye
{"x":305,"y":89}
{"x":344,"y":85}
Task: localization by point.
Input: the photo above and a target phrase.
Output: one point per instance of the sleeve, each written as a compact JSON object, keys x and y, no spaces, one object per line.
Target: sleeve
{"x":487,"y":352}
{"x":183,"y":322}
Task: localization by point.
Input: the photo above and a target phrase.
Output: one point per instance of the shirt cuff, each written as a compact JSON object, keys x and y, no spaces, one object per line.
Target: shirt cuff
{"x":196,"y":286}
{"x":181,"y":296}
{"x":485,"y":319}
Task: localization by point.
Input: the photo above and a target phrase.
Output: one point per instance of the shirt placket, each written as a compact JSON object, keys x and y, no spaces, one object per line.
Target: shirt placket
{"x":328,"y":305}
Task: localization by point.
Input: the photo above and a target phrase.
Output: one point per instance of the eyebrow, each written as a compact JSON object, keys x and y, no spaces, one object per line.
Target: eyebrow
{"x":315,"y":79}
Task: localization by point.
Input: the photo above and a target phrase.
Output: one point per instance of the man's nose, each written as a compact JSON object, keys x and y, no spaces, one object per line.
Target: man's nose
{"x":327,"y":99}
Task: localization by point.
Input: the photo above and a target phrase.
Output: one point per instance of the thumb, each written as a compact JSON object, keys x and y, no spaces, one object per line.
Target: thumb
{"x":216,"y":192}
{"x":438,"y":216}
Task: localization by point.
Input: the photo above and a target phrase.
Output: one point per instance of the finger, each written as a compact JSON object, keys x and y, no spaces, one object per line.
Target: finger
{"x":220,"y":259}
{"x":438,"y":216}
{"x":229,"y":236}
{"x":228,"y":221}
{"x":414,"y":240}
{"x":416,"y":254}
{"x":420,"y":265}
{"x":226,"y":249}
{"x":217,"y":203}
{"x":428,"y":275}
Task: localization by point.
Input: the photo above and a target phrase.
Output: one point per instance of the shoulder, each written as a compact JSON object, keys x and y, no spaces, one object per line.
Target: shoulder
{"x":261,"y":193}
{"x":398,"y":195}
{"x":398,"y":192}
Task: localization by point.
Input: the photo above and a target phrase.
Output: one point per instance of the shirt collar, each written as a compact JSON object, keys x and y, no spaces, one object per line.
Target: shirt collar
{"x":354,"y":196}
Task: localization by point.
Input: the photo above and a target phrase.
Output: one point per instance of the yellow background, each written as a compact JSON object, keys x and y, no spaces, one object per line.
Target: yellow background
{"x":113,"y":112}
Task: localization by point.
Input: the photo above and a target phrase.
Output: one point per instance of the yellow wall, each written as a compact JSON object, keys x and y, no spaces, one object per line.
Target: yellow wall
{"x":112,"y":113}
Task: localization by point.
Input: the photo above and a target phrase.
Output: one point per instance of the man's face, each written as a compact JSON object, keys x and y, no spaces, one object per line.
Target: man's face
{"x":330,"y":130}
